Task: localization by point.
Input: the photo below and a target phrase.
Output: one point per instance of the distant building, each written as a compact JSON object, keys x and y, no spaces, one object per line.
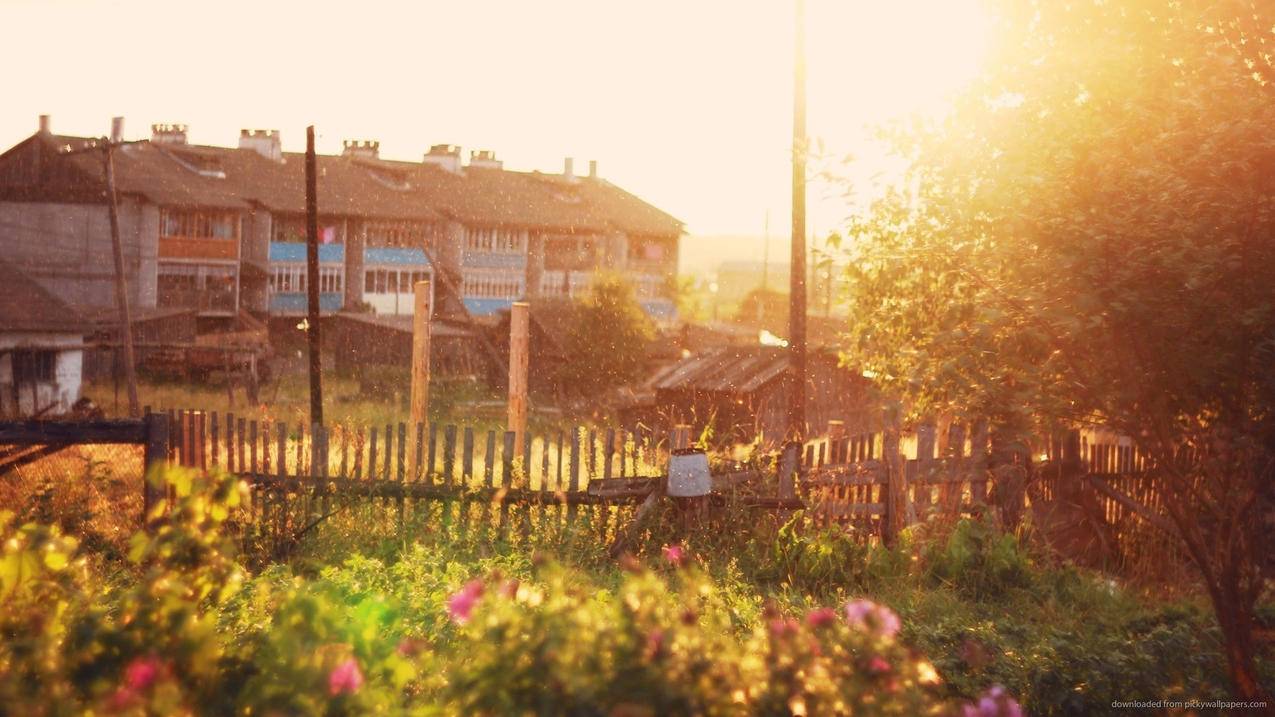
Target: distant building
{"x":221,"y":230}
{"x":41,"y":349}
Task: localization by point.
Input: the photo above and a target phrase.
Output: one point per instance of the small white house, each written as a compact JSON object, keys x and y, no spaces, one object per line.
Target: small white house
{"x":41,"y":354}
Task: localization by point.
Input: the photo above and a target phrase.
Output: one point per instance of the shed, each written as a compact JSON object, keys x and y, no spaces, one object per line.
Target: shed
{"x":742,"y":392}
{"x":360,"y":340}
{"x":41,"y":349}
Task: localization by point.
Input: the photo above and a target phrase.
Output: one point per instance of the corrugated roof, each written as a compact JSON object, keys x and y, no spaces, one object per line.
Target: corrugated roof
{"x":27,"y":306}
{"x":730,"y":369}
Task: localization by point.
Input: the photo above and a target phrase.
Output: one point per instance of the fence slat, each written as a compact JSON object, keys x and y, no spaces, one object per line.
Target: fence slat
{"x":241,"y":426}
{"x":608,"y":448}
{"x":429,"y":460}
{"x":489,"y":461}
{"x":371,"y":454}
{"x":252,"y":439}
{"x":387,"y":472}
{"x":420,"y":452}
{"x":449,"y":454}
{"x":467,"y":456}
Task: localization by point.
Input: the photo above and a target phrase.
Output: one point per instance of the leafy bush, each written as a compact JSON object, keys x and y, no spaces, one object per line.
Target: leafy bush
{"x":978,"y":560}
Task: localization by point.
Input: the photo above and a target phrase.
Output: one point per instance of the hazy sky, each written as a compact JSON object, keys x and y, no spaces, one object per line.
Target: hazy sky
{"x":684,"y":102}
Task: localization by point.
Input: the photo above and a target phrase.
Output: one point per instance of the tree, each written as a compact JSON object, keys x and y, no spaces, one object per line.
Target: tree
{"x":608,"y":339}
{"x":1089,"y":237}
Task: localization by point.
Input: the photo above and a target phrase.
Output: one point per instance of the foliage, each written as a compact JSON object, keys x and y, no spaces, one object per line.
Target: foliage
{"x":608,"y":339}
{"x":1086,"y":238}
{"x":977,"y":560}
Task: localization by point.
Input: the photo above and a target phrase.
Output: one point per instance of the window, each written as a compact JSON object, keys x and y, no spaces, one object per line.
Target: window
{"x":494,"y":240}
{"x":492,"y":284}
{"x":291,"y":279}
{"x":330,"y":279}
{"x":190,"y":224}
{"x":409,"y":235}
{"x":294,"y":231}
{"x":210,"y":287}
{"x":33,"y":366}
{"x":392,"y":281}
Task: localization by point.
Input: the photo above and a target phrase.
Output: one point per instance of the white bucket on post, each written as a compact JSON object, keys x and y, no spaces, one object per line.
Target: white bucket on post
{"x":688,"y":475}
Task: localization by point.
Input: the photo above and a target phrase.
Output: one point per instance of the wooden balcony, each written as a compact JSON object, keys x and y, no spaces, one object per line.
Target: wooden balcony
{"x":188,"y":248}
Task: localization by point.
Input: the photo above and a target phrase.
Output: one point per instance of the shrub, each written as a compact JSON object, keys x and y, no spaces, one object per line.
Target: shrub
{"x":978,"y":560}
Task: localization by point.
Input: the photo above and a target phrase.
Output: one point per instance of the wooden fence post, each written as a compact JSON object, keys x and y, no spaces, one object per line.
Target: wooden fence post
{"x":421,"y":311}
{"x":519,"y":355}
{"x":155,"y":453}
{"x":788,"y":462}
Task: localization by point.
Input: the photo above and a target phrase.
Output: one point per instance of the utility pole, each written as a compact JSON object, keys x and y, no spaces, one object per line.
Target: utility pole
{"x":312,"y":278}
{"x":765,"y":255}
{"x":797,"y":291}
{"x":121,"y":285}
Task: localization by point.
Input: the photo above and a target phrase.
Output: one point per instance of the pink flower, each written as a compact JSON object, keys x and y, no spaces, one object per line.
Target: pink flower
{"x":878,"y":665}
{"x":410,"y":646}
{"x":345,"y":678}
{"x":674,"y":554}
{"x":509,"y":589}
{"x":141,"y":673}
{"x":821,"y":617}
{"x":994,"y":703}
{"x":461,"y":604}
{"x":867,"y":615}
{"x":783,"y":627}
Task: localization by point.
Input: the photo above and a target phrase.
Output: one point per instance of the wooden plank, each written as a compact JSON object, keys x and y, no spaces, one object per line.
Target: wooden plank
{"x":252,"y":440}
{"x":300,"y":452}
{"x":418,"y":465}
{"x":345,"y":451}
{"x":214,"y":439}
{"x":449,"y":454}
{"x":608,"y":449}
{"x":467,"y":456}
{"x":358,"y":453}
{"x":544,"y":463}
{"x":281,"y":450}
{"x":371,"y":454}
{"x":230,"y":442}
{"x":154,"y":456}
{"x":429,"y":460}
{"x":387,"y":471}
{"x":241,"y":436}
{"x":506,"y":471}
{"x":489,"y":461}
{"x":402,"y":452}
{"x":574,"y":476}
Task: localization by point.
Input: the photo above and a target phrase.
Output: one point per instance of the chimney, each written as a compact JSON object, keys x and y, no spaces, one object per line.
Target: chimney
{"x":593,"y":169}
{"x":485,"y":158}
{"x":446,"y":156}
{"x":168,"y":133}
{"x":264,"y":142}
{"x":117,"y":130}
{"x":364,"y":149}
{"x":568,"y":169}
{"x":44,"y":125}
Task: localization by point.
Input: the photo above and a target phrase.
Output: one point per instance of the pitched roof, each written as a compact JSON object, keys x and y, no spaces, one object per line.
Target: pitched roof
{"x":235,"y":178}
{"x":27,"y":306}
